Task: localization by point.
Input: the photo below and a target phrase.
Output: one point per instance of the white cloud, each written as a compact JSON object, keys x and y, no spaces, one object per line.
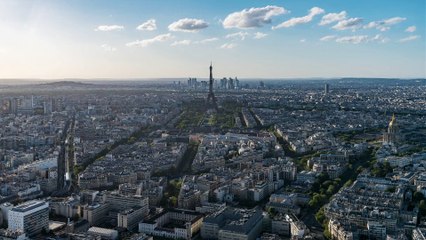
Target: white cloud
{"x":237,"y":35}
{"x":410,"y":38}
{"x":188,"y":25}
{"x":395,"y":20}
{"x":149,"y":25}
{"x":353,"y":39}
{"x":327,"y":38}
{"x":379,"y":38}
{"x":411,"y":29}
{"x":259,"y":35}
{"x":385,"y":24}
{"x":332,"y":17}
{"x":351,"y":23}
{"x":147,"y":42}
{"x":108,"y":48}
{"x":182,"y":42}
{"x":208,"y":40}
{"x":300,"y":20}
{"x":253,"y":17}
{"x":356,"y":39}
{"x":108,"y":28}
{"x":303,"y":40}
{"x":228,"y":46}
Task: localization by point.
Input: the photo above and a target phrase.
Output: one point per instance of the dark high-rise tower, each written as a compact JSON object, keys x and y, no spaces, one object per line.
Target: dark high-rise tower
{"x":211,"y":99}
{"x":326,"y":89}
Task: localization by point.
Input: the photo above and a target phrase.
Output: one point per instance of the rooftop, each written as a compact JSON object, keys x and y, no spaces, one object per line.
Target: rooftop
{"x":28,"y":206}
{"x":98,"y":230}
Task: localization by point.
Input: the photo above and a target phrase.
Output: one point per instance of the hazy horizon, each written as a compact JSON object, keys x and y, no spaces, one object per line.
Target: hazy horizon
{"x":273,"y":81}
{"x":202,"y":78}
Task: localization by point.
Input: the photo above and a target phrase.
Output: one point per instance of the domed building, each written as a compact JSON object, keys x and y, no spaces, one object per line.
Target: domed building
{"x":392,"y":136}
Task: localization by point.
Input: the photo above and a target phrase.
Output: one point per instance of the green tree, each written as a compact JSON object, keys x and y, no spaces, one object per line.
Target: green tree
{"x":326,"y":184}
{"x":330,"y":190}
{"x":418,"y":196}
{"x":131,"y":140}
{"x":323,"y":177}
{"x":317,"y":200}
{"x":320,"y":216}
{"x":348,"y":183}
{"x":327,"y":233}
{"x":173,"y":201}
{"x":272,"y":211}
{"x":381,"y":169}
{"x":422,"y":208}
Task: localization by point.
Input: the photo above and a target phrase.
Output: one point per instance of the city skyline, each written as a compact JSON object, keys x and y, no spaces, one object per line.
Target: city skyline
{"x":248,"y":39}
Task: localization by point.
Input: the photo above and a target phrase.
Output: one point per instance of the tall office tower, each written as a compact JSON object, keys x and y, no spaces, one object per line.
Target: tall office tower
{"x":211,"y":99}
{"x":31,"y":217}
{"x":25,"y":106}
{"x":192,"y":83}
{"x":326,"y":89}
{"x":13,"y":105}
{"x":48,"y":106}
{"x":231,"y":84}
{"x":237,"y":83}
{"x":223,"y":83}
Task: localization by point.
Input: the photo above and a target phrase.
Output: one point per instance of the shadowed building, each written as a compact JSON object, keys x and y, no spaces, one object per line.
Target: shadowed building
{"x":232,"y":223}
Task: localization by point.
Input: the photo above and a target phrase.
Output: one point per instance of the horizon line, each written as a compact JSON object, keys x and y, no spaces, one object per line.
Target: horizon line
{"x":244,"y":78}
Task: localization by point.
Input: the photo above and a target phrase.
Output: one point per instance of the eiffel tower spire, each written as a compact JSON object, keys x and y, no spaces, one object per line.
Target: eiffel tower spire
{"x":211,"y":99}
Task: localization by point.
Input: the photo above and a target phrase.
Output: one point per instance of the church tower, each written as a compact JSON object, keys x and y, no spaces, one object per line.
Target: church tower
{"x":392,"y":136}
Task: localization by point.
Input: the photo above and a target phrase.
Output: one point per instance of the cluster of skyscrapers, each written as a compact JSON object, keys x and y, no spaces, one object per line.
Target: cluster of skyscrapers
{"x":222,"y":84}
{"x":25,"y":105}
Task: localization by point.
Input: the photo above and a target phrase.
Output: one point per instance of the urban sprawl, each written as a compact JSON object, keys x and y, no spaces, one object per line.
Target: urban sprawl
{"x":226,"y":159}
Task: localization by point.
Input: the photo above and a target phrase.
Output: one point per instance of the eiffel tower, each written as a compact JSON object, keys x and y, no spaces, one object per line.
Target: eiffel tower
{"x":211,"y":99}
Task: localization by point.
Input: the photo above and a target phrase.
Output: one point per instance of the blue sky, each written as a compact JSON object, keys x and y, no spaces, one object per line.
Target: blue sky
{"x":246,"y":38}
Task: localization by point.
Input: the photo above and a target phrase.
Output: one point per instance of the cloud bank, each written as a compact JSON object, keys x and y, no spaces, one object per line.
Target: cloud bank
{"x":252,"y":17}
{"x":149,"y":25}
{"x":332,"y":17}
{"x":408,"y":39}
{"x":188,"y":25}
{"x":147,"y":42}
{"x":385,"y":24}
{"x":108,"y":28}
{"x":411,"y":29}
{"x":301,"y":20}
{"x":351,"y":23}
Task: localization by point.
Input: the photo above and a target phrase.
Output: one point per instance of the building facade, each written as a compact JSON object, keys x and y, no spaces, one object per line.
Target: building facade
{"x":32,"y":217}
{"x":174,"y":223}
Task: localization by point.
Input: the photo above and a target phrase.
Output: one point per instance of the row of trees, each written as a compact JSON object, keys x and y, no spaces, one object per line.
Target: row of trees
{"x":381,"y":169}
{"x":170,"y":196}
{"x":324,"y":188}
{"x":127,"y":140}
